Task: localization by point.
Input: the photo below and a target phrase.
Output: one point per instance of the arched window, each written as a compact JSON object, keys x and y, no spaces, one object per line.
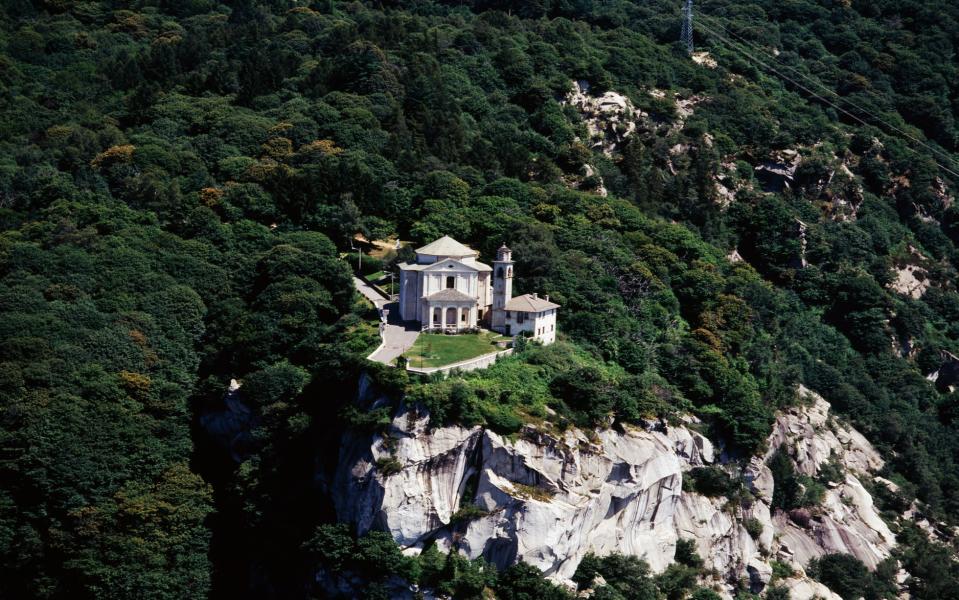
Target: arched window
{"x":450,"y":282}
{"x":499,"y":273}
{"x":509,"y":272}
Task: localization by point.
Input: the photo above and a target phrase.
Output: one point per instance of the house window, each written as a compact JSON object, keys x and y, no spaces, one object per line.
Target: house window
{"x":552,"y":327}
{"x":520,"y":317}
{"x":508,"y":315}
{"x":450,"y":282}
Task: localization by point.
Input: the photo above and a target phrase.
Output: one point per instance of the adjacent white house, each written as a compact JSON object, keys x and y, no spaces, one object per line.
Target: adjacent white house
{"x":533,"y":314}
{"x":448,"y":289}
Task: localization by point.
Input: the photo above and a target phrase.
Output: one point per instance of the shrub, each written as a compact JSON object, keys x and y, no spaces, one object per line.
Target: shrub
{"x":502,"y":420}
{"x":776,"y":592}
{"x":388,"y":465}
{"x":368,"y":265}
{"x":467,"y":513}
{"x":525,"y":582}
{"x":686,"y":553}
{"x":710,"y":481}
{"x":848,"y":576}
{"x":753,"y":527}
{"x":781,"y":570}
{"x":786,"y":490}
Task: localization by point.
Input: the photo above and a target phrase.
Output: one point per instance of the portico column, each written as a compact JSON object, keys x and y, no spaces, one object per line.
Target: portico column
{"x":459,"y":316}
{"x":443,"y":317}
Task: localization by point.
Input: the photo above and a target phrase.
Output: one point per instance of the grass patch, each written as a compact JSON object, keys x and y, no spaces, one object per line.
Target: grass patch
{"x":437,"y":349}
{"x":468,"y":513}
{"x":532,"y":492}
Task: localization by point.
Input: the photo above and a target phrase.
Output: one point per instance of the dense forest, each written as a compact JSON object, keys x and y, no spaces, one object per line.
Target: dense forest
{"x":179,"y":181}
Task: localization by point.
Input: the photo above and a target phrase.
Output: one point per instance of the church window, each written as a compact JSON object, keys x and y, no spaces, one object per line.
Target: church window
{"x":499,"y":273}
{"x":509,"y":272}
{"x":450,"y":282}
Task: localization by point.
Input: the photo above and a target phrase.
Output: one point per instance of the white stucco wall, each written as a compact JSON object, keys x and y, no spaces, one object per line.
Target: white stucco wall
{"x":541,"y":325}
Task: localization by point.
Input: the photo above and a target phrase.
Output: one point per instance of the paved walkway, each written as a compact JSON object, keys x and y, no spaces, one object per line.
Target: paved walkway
{"x":398,"y":336}
{"x":371,"y":294}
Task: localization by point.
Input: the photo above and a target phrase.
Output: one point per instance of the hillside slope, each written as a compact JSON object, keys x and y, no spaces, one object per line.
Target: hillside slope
{"x":179,"y":182}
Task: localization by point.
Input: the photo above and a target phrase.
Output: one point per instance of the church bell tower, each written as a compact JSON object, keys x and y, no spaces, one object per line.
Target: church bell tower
{"x":502,"y":286}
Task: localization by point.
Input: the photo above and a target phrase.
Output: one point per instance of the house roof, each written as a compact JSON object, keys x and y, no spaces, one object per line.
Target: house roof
{"x":451,"y":295}
{"x":447,"y":246}
{"x":529,"y":303}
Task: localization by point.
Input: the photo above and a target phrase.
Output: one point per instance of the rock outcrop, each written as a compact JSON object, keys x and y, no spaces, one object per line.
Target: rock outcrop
{"x":609,"y":118}
{"x":548,"y":498}
{"x":846,"y":521}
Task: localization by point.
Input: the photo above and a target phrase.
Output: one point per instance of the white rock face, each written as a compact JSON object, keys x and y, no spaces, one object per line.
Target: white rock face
{"x":548,"y":499}
{"x":803,"y":588}
{"x":811,"y":440}
{"x":704,"y":59}
{"x":911,"y":280}
{"x":610,"y":118}
{"x":846,"y":522}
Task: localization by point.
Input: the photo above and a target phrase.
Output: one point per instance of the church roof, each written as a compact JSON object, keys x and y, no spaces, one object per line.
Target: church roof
{"x":406,"y":266}
{"x":451,"y":295}
{"x":529,"y":303}
{"x":446,"y":246}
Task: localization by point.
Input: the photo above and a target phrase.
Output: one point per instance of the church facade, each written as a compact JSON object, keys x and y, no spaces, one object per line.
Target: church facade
{"x":447,"y":289}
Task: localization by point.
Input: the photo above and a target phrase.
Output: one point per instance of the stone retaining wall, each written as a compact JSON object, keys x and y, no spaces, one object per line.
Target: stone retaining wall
{"x":480,"y":362}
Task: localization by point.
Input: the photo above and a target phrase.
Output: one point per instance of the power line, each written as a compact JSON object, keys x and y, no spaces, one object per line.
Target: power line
{"x":837,"y":95}
{"x":775,"y":58}
{"x":740,"y":48}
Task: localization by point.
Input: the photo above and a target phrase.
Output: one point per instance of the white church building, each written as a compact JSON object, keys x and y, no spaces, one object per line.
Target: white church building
{"x":448,"y":290}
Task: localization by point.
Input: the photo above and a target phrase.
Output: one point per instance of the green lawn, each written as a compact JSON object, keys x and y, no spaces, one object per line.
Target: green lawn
{"x":437,"y":349}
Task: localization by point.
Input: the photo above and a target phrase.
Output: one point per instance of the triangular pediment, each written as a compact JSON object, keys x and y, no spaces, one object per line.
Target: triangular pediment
{"x":449,"y":264}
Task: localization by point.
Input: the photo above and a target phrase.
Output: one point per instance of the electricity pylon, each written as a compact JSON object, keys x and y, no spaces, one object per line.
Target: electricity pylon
{"x":686,"y":35}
